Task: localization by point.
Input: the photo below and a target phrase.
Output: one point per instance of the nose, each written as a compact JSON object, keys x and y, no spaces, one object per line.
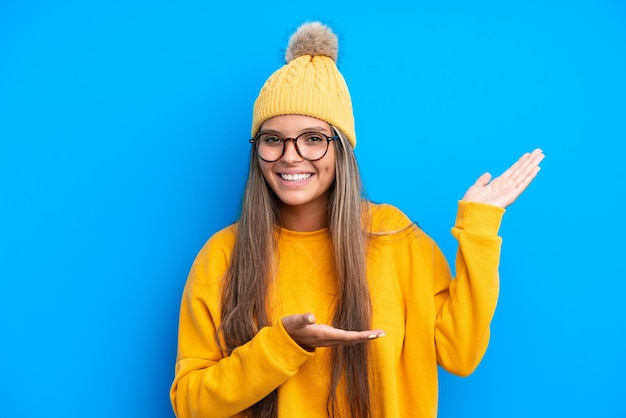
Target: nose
{"x":291,"y":153}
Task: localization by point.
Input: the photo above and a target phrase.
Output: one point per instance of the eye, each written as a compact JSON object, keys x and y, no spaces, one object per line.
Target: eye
{"x":314,"y":138}
{"x":271,"y":139}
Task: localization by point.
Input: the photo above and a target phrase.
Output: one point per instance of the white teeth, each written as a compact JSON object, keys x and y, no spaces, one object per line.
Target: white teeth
{"x":295,"y":177}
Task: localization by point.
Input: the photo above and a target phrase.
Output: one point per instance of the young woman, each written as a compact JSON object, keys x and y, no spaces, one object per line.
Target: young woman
{"x":284,"y":312}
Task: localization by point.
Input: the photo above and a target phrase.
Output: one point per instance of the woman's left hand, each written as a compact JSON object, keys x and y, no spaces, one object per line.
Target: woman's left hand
{"x":502,"y":191}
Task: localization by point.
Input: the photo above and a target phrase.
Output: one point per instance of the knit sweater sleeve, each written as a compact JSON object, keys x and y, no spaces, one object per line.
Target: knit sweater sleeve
{"x":208,"y":383}
{"x":465,"y":305}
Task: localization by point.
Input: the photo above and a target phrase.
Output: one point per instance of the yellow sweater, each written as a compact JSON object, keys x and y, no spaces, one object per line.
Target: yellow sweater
{"x":429,"y":319}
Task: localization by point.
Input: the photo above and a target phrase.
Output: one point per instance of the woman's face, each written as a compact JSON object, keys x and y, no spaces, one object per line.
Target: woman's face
{"x":296,"y":181}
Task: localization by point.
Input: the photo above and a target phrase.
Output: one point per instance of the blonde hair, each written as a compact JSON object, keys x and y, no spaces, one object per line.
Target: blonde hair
{"x":246,"y":284}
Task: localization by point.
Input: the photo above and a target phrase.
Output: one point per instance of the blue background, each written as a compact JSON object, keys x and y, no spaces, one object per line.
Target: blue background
{"x":123,"y":134}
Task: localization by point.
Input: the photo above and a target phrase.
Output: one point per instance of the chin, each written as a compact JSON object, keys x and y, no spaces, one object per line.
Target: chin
{"x":299,"y":200}
{"x":294,"y":201}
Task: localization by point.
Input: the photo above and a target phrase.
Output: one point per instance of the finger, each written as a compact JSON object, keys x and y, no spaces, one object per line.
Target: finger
{"x":369,"y":334}
{"x":348,"y":337}
{"x":308,"y":319}
{"x":527,"y":159}
{"x":327,"y":336}
{"x":533,"y":159}
{"x":516,"y":165}
{"x":518,"y":177}
{"x":483,"y":180}
{"x":515,"y":190}
{"x":376,"y":334}
{"x":530,"y":159}
{"x":525,"y":181}
{"x":294,"y":322}
{"x":333,"y":335}
{"x":529,"y":169}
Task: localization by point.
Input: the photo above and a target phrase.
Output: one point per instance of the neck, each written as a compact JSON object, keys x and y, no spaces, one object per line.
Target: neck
{"x":305,"y":218}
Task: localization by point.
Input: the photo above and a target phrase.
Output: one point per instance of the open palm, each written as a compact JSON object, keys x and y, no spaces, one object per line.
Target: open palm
{"x":308,"y":334}
{"x":503,"y":190}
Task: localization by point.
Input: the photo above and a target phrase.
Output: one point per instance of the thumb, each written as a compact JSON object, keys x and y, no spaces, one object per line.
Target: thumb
{"x":307,"y":319}
{"x":297,"y":321}
{"x":483,"y":180}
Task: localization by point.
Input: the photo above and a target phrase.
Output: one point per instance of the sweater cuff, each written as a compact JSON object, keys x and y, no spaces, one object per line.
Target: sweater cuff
{"x":479,"y":217}
{"x":282,"y":349}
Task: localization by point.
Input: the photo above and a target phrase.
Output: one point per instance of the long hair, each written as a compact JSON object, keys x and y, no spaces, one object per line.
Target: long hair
{"x":246,"y":284}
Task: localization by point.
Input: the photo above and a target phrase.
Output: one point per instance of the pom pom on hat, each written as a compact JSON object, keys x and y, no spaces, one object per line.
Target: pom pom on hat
{"x":309,"y":83}
{"x":312,"y":39}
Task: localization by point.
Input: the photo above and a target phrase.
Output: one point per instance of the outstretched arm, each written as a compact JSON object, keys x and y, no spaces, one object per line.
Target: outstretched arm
{"x":502,"y":191}
{"x":467,"y":303}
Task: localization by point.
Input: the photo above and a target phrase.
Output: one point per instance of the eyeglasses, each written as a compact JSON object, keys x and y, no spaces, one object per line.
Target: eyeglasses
{"x":312,"y":147}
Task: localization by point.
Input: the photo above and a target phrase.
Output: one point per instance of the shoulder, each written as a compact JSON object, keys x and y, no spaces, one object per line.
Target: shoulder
{"x":222,"y":239}
{"x":216,"y":251}
{"x":225,"y":236}
{"x":388,"y":224}
{"x":386,"y":218}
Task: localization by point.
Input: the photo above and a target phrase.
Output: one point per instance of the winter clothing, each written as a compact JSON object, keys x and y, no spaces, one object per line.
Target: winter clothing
{"x":428,"y":319}
{"x":308,"y":84}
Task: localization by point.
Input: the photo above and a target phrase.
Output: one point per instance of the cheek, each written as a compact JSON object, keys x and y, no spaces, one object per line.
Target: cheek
{"x":266,"y":169}
{"x":331,"y":172}
{"x":330,"y":163}
{"x":327,"y":173}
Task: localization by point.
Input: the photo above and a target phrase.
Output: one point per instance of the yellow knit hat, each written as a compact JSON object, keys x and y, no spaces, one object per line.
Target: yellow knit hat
{"x":309,"y":83}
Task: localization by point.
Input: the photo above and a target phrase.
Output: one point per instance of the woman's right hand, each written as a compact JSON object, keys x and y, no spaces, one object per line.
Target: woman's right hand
{"x":309,"y":335}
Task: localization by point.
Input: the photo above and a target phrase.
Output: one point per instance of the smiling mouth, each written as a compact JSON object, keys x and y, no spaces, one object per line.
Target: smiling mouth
{"x":295,"y":177}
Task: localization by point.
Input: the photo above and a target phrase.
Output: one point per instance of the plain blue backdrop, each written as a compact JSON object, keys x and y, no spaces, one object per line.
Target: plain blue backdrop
{"x":123,"y":147}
